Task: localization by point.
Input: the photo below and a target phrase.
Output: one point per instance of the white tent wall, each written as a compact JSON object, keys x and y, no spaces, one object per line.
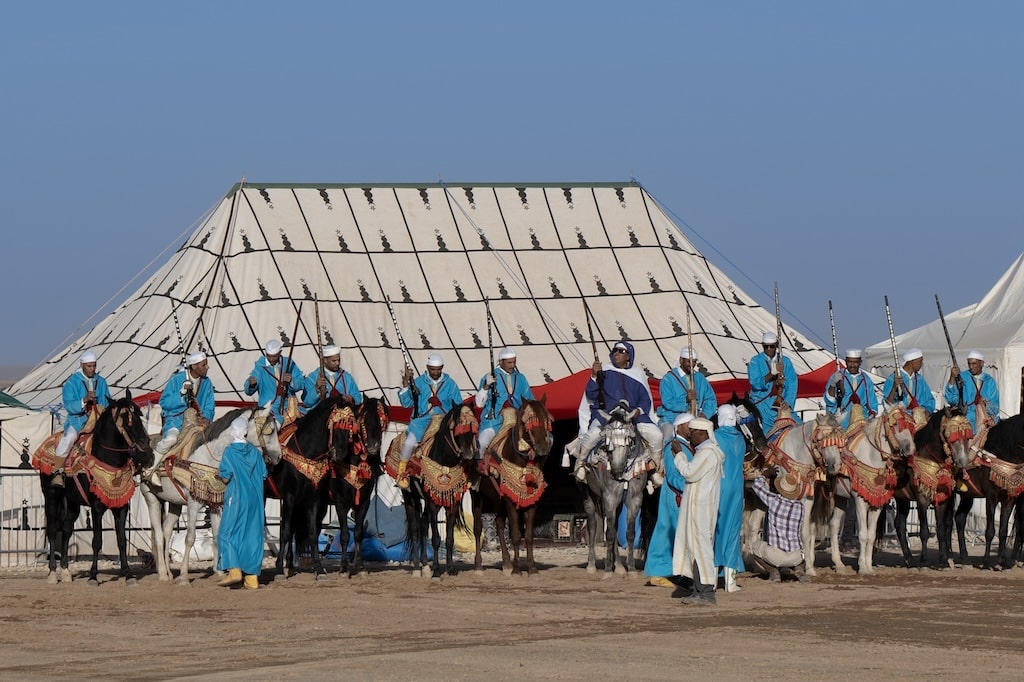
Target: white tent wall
{"x":994,"y":326}
{"x":18,"y":426}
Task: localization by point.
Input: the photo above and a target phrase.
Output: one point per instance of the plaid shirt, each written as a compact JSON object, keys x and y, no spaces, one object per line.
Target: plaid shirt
{"x":785,"y":517}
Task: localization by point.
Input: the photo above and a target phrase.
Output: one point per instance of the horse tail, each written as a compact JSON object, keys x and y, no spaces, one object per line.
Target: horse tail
{"x":412,"y":525}
{"x":824,"y":503}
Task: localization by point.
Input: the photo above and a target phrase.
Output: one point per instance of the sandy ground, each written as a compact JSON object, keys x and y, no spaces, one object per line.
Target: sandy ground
{"x":559,"y":624}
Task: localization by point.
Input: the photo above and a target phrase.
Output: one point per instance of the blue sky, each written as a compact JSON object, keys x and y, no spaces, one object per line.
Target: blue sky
{"x":846,"y":150}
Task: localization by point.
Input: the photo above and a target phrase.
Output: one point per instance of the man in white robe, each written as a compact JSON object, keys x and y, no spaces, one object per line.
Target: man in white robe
{"x":693,"y":555}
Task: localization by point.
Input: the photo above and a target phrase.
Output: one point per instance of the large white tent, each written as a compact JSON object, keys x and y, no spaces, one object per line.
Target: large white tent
{"x":21,"y":428}
{"x":994,"y":325}
{"x":541,"y":254}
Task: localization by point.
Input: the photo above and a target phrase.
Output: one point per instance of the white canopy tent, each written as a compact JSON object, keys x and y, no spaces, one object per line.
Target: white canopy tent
{"x":994,"y":326}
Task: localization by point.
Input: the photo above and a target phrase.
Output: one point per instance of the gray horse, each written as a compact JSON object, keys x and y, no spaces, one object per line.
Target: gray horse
{"x":616,"y":475}
{"x":178,"y":494}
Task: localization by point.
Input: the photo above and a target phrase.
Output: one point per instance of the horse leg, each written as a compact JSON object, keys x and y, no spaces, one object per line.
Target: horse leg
{"x":449,"y":538}
{"x":633,"y":501}
{"x":867,"y":520}
{"x":529,"y":515}
{"x":1005,"y":509}
{"x":435,"y":539}
{"x":835,"y":527}
{"x":900,"y":524}
{"x":590,"y":507}
{"x":807,"y":535}
{"x":97,"y":543}
{"x":285,"y":539}
{"x":120,"y":529}
{"x":924,"y":530}
{"x":516,"y":534}
{"x":360,"y":534}
{"x":960,"y":521}
{"x":944,"y":531}
{"x":500,"y":519}
{"x":610,"y":501}
{"x":476,"y":496}
{"x":990,"y":528}
{"x":54,"y":508}
{"x":343,"y":534}
{"x":190,"y":541}
{"x":314,"y":521}
{"x":66,"y":528}
{"x":155,"y":509}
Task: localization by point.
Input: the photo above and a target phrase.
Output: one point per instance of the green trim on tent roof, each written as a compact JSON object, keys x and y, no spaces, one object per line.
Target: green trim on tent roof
{"x":12,"y":401}
{"x":421,"y":185}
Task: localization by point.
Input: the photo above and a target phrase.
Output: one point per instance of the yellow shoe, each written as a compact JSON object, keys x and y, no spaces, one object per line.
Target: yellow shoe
{"x":403,"y":479}
{"x":251,"y":582}
{"x":233,"y":577}
{"x":658,"y":581}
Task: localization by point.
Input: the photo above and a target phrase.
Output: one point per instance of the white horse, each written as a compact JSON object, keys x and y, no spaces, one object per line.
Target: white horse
{"x":177,"y":494}
{"x":865,"y":472}
{"x":801,"y":450}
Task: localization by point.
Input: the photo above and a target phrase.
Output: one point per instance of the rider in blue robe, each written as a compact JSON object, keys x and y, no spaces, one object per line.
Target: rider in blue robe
{"x":240,"y":538}
{"x":658,"y":565}
{"x":855,"y":387}
{"x":430,"y":394}
{"x":187,"y":388}
{"x":675,"y":389}
{"x":915,"y":392}
{"x":335,"y":381}
{"x":980,"y":390}
{"x":82,"y":393}
{"x":730,"y":500}
{"x":273,"y":376}
{"x":505,"y":387}
{"x":763,"y":373}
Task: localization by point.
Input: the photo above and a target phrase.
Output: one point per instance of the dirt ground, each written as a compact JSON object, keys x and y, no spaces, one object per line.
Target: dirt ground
{"x":559,"y":624}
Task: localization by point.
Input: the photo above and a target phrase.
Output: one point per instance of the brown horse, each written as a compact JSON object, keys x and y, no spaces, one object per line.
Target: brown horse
{"x":515,"y":480}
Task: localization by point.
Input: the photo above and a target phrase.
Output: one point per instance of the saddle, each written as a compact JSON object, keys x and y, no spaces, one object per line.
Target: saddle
{"x":201,"y":481}
{"x":192,"y":427}
{"x":415,"y":465}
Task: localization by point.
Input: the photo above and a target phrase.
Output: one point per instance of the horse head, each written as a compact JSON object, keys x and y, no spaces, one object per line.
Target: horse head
{"x":342,"y":433}
{"x":263,"y":433}
{"x":125,"y":420}
{"x":829,"y":440}
{"x":619,"y":438}
{"x":456,"y":437}
{"x":372,"y":420}
{"x":533,"y":429}
{"x":956,"y":436}
{"x":899,"y":430}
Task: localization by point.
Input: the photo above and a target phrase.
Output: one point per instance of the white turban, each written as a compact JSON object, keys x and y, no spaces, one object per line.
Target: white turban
{"x":87,"y":356}
{"x":331,"y":351}
{"x":435,"y":360}
{"x":683,"y":418}
{"x":195,"y":358}
{"x":239,"y":429}
{"x":975,"y":355}
{"x":688,"y":353}
{"x":912,"y":354}
{"x":769,"y":338}
{"x":726,"y":415}
{"x":273,"y":347}
{"x":854,"y":354}
{"x":506,"y":353}
{"x":702,"y":425}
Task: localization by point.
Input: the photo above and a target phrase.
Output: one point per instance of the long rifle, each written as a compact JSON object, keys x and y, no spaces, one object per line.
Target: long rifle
{"x":781,"y":378}
{"x":282,"y":385}
{"x":895,"y":355}
{"x":190,"y":398}
{"x":949,"y":344}
{"x":835,"y":347}
{"x":415,"y":392}
{"x":493,"y":397}
{"x":593,"y":347}
{"x":689,"y":355}
{"x":319,"y":333}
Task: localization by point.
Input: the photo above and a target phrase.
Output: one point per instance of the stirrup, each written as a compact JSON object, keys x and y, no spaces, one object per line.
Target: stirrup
{"x":58,"y":479}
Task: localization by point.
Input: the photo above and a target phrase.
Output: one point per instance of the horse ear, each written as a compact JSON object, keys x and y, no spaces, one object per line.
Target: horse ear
{"x":128,"y":393}
{"x":734,"y":397}
{"x":544,"y":400}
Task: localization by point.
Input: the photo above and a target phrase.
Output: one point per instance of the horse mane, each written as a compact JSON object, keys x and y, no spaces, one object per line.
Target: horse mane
{"x":932,"y":429}
{"x":217,"y":426}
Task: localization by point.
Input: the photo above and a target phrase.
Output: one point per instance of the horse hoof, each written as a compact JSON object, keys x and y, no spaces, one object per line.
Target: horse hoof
{"x":620,"y":570}
{"x":607,"y":575}
{"x":811,"y":572}
{"x":428,"y":572}
{"x":66,"y":576}
{"x":131,"y":582}
{"x":51,"y":578}
{"x":842,"y":569}
{"x":417,"y":573}
{"x":280,"y":577}
{"x":93,"y":582}
{"x":591,"y":569}
{"x":184,"y":581}
{"x":321,"y":577}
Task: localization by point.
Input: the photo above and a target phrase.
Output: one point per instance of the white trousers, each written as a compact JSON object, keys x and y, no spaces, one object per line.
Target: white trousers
{"x":66,"y":441}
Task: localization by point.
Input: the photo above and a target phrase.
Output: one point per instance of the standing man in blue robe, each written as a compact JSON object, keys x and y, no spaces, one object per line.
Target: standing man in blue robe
{"x":683,"y":389}
{"x":730,"y":500}
{"x":610,"y":383}
{"x":333,"y":381}
{"x":189,"y":388}
{"x":980,"y":395}
{"x":505,"y":386}
{"x":432,"y":393}
{"x":240,"y":538}
{"x":83,"y":393}
{"x":274,"y":376}
{"x":914,"y":392}
{"x":658,"y":565}
{"x":771,"y":382}
{"x":855,"y":388}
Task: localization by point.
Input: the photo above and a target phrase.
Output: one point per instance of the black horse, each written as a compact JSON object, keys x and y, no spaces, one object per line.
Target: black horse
{"x":996,"y":477}
{"x":515,"y":463}
{"x":357,"y":466}
{"x":927,"y":479}
{"x":440,"y":484}
{"x":101,"y":480}
{"x":302,"y":482}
